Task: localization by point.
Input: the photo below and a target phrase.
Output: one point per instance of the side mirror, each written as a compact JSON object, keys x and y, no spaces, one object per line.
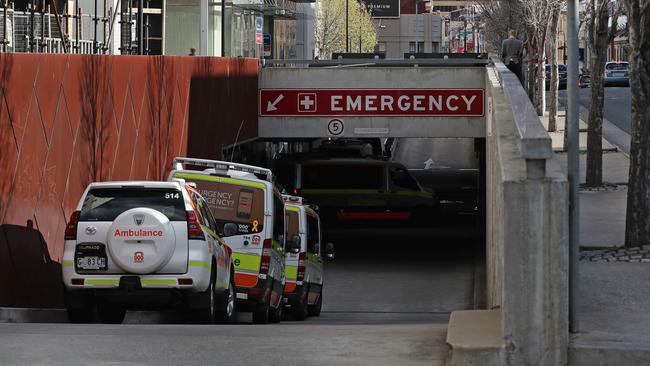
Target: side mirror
{"x":229,"y":229}
{"x":329,"y":250}
{"x":294,"y":244}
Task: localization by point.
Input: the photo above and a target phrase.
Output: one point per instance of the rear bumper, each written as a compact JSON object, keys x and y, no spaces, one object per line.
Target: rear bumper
{"x":253,"y":298}
{"x":616,"y":80}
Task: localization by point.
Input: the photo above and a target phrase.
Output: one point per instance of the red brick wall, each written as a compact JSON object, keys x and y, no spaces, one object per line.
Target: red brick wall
{"x":68,"y":120}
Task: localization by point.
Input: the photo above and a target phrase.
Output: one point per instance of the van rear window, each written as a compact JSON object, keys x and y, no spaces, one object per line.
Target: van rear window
{"x":342,"y":177}
{"x":105,"y":204}
{"x":233,"y":203}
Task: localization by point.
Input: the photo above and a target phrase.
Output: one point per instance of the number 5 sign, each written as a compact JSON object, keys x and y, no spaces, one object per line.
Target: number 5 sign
{"x":335,"y":127}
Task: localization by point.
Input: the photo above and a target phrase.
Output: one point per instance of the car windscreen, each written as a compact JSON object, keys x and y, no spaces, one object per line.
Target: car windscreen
{"x":105,"y":204}
{"x":561,"y":68}
{"x":233,"y":203}
{"x":344,"y":176}
{"x":620,"y":66}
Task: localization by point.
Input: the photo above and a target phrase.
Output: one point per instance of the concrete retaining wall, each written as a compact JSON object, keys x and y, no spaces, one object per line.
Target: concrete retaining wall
{"x":527,"y":229}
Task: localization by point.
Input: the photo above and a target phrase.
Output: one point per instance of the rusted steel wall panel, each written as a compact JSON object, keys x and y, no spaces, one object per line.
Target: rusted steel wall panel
{"x":68,"y":120}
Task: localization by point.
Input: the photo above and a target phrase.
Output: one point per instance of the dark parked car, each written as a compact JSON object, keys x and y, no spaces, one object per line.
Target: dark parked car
{"x":562,"y":75}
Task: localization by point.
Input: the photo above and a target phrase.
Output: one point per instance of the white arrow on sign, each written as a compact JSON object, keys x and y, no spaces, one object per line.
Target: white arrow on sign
{"x":270,"y":106}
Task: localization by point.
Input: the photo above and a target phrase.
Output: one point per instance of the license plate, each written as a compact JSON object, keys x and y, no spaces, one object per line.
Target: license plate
{"x":88,"y":263}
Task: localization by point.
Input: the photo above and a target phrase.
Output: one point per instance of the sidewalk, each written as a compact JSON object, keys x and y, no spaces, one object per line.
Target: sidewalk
{"x":613,"y":292}
{"x":602,"y":211}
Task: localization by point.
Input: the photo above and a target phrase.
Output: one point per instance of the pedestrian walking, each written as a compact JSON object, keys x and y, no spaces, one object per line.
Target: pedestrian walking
{"x":512,"y":51}
{"x":192,"y":52}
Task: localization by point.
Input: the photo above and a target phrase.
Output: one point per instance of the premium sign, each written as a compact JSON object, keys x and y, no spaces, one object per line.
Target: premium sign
{"x":372,"y":102}
{"x":383,"y":8}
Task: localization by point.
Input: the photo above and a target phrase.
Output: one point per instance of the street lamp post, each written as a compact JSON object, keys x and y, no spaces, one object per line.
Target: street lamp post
{"x":347,"y":42}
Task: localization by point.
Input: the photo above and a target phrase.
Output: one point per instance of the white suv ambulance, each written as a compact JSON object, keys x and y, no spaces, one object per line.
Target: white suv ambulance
{"x":303,"y":290}
{"x":249,"y":211}
{"x":145,"y":244}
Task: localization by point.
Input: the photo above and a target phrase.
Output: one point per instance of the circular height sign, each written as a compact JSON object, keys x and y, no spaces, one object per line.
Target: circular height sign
{"x":335,"y":127}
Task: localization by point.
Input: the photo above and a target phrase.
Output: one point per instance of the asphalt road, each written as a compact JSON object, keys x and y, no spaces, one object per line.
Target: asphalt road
{"x":617,"y":105}
{"x":387,"y":299}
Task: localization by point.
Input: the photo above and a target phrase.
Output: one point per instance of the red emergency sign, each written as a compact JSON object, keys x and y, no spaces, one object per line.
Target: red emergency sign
{"x":372,"y":102}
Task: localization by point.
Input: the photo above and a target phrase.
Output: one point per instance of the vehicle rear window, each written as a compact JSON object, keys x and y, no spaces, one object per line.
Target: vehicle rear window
{"x":292,"y":219}
{"x":342,"y":177}
{"x":105,"y":204}
{"x":619,"y":66}
{"x":233,"y":203}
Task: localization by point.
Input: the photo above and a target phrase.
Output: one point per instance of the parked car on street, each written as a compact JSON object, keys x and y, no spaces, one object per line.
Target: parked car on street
{"x":617,"y":73}
{"x":562,"y":76}
{"x":145,"y":244}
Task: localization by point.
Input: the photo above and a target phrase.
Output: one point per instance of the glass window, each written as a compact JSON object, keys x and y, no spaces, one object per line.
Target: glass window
{"x":411,"y":47}
{"x":233,"y":203}
{"x":278,"y":225}
{"x":617,"y":66}
{"x":420,"y":47}
{"x":401,"y":179}
{"x":313,"y":235}
{"x":105,"y":204}
{"x":342,"y":177}
{"x":293,"y":223}
{"x":181,"y":27}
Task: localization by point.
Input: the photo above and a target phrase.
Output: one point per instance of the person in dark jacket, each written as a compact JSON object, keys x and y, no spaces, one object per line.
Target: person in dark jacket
{"x":512,"y":51}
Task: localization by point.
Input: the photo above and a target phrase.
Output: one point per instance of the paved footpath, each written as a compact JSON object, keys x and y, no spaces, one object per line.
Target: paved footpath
{"x":614,"y":293}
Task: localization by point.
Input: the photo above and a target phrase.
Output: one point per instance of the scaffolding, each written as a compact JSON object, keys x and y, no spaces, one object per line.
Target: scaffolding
{"x":42,"y":28}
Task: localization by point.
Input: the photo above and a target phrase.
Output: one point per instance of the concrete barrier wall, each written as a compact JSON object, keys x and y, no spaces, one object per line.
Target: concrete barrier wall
{"x":527,"y":228}
{"x":68,"y":120}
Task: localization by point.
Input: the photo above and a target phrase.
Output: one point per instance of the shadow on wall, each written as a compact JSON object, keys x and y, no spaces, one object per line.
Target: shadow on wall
{"x":24,"y":247}
{"x":222,"y":108}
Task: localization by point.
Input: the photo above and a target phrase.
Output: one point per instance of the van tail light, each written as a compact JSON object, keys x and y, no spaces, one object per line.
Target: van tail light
{"x":71,"y":228}
{"x":194,"y":230}
{"x":301,"y":267}
{"x":266,"y":256}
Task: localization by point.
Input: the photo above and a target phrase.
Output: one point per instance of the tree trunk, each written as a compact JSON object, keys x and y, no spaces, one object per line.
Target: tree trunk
{"x":599,"y":31}
{"x":540,"y":81}
{"x":637,"y":228}
{"x":532,"y":62}
{"x":553,"y":103}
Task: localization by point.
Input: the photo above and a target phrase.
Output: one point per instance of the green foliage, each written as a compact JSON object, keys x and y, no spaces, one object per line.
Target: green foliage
{"x":330,"y":28}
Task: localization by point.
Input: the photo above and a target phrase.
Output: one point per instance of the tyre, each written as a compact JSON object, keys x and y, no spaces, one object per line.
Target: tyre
{"x":228,"y":312}
{"x":262,"y":316}
{"x":110,"y":313}
{"x":275,"y":315}
{"x":206,"y":312}
{"x":299,"y":309}
{"x":314,"y":310}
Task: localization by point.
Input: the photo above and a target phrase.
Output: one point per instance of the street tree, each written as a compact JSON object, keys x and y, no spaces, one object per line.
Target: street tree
{"x":330,"y":27}
{"x":637,"y":228}
{"x":602,"y":23}
{"x":554,"y":82}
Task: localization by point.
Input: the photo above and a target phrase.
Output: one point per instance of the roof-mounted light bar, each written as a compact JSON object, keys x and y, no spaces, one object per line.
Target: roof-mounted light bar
{"x":223,"y":166}
{"x":293,"y":199}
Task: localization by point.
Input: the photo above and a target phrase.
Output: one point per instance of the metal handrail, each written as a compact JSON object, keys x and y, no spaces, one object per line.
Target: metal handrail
{"x":376,"y":62}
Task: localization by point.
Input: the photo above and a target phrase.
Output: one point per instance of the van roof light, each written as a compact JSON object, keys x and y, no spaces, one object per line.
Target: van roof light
{"x":223,"y":166}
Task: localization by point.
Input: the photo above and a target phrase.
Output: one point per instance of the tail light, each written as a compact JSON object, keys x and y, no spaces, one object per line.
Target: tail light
{"x":295,"y":191}
{"x":266,"y":256}
{"x":194,"y":230}
{"x":301,"y":267}
{"x":71,"y":228}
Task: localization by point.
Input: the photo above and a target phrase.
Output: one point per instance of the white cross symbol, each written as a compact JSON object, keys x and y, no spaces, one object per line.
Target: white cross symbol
{"x":307,"y":102}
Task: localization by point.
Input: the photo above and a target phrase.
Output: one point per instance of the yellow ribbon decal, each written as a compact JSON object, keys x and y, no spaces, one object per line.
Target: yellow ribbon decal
{"x":255,"y":224}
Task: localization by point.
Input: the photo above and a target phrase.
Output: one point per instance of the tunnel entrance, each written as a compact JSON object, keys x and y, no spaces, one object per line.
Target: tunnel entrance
{"x":350,"y":138}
